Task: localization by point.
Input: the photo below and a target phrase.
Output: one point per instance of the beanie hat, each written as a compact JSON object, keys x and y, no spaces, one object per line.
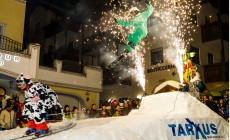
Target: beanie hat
{"x":8,"y":104}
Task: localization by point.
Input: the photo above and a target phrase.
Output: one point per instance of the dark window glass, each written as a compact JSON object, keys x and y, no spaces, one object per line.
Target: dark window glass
{"x":210,"y":58}
{"x":207,"y":20}
{"x":194,"y":17}
{"x":196,"y":58}
{"x":157,"y":56}
{"x":37,"y":27}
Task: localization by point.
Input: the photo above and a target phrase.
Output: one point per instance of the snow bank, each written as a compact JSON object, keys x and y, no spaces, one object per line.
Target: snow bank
{"x":160,"y":117}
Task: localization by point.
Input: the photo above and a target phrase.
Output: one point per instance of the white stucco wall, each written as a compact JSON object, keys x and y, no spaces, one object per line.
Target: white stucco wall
{"x":91,"y":79}
{"x":27,"y":63}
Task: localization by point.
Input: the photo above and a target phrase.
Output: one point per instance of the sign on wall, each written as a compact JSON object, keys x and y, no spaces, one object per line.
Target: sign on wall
{"x":8,"y":57}
{"x":166,"y":67}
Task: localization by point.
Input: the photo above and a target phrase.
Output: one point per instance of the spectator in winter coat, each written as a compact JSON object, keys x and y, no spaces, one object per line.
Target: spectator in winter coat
{"x":7,"y":117}
{"x":16,"y":104}
{"x":55,"y":113}
{"x":105,"y":111}
{"x":1,"y":104}
{"x":126,"y":109}
{"x":66,"y":113}
{"x":93,"y":112}
{"x":4,"y":101}
{"x":211,"y":104}
{"x":116,"y":114}
{"x":87,"y":113}
{"x":204,"y":99}
{"x":103,"y":114}
{"x":119,"y":110}
{"x":76,"y":113}
{"x":113,"y":106}
{"x":82,"y":115}
{"x":20,"y":120}
{"x":221,"y":108}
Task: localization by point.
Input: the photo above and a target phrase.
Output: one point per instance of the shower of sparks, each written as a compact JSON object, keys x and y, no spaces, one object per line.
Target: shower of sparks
{"x":176,"y":29}
{"x":139,"y":67}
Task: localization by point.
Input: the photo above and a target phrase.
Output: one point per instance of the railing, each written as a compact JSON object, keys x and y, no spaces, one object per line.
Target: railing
{"x":212,"y":31}
{"x":215,"y":73}
{"x":11,"y":45}
{"x":71,"y":66}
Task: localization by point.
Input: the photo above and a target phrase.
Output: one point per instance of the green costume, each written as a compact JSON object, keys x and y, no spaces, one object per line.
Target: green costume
{"x":140,"y":31}
{"x":140,"y":25}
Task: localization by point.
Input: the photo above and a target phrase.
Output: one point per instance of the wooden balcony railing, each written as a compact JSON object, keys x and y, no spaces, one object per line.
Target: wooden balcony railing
{"x":212,"y":31}
{"x":215,"y":73}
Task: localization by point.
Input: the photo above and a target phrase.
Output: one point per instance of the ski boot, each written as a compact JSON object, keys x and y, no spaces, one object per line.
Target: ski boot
{"x":30,"y":131}
{"x":41,"y":132}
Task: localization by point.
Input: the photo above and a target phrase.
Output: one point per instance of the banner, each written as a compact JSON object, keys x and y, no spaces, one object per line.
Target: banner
{"x":193,"y":129}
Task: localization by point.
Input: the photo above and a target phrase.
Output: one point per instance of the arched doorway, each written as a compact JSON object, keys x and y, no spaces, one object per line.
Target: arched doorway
{"x":71,"y":100}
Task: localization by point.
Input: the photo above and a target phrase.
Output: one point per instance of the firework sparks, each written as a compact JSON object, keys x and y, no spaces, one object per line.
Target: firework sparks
{"x":176,"y":30}
{"x":139,"y":66}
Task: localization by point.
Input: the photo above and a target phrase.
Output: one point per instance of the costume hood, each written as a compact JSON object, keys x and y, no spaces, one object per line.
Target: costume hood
{"x":195,"y":78}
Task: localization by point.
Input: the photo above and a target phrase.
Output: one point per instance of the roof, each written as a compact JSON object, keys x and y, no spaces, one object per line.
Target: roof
{"x":220,"y":89}
{"x":167,"y":86}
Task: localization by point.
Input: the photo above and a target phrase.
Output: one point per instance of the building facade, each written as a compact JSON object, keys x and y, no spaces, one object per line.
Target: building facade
{"x":210,"y":43}
{"x":76,"y":89}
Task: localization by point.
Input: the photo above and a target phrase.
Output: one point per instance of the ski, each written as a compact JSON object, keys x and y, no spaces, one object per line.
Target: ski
{"x":51,"y":132}
{"x":114,"y":63}
{"x":24,"y":137}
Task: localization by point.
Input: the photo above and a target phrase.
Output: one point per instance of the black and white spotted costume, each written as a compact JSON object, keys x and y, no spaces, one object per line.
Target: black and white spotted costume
{"x":47,"y":98}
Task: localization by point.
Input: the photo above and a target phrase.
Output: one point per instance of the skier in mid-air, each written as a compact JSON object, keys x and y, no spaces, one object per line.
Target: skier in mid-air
{"x":139,"y":21}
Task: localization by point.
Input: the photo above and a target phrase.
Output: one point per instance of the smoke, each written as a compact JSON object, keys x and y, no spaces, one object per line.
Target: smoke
{"x":171,"y":29}
{"x":107,"y":55}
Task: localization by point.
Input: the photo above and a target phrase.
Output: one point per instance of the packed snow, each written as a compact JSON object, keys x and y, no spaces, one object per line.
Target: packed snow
{"x":146,"y":123}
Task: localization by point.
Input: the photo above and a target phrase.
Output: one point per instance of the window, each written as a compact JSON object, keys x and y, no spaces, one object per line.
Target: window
{"x":194,"y":17}
{"x":210,"y":58}
{"x":37,"y":27}
{"x":157,"y":56}
{"x":1,"y":30}
{"x":207,"y":20}
{"x":196,"y":58}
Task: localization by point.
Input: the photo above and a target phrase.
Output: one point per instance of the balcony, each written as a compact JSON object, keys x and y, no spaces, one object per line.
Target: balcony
{"x":212,"y":31}
{"x":9,"y":44}
{"x":216,"y":73}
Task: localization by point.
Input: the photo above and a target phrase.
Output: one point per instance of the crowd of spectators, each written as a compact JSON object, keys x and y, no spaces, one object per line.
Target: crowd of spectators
{"x":11,"y":110}
{"x":220,"y":106}
{"x":112,"y":109}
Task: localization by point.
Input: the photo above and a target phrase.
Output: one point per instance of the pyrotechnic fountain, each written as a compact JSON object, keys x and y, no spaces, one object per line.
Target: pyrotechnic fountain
{"x":176,"y":29}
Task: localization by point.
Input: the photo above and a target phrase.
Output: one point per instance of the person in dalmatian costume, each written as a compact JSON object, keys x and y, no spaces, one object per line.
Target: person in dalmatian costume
{"x":39,"y":99}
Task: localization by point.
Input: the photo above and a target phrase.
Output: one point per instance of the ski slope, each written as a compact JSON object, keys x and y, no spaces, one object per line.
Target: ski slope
{"x":152,"y":121}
